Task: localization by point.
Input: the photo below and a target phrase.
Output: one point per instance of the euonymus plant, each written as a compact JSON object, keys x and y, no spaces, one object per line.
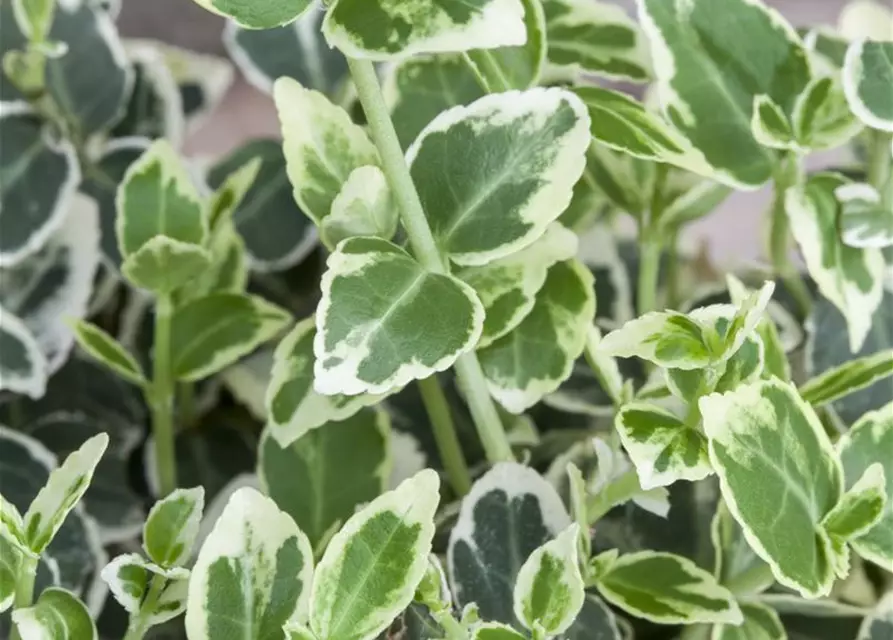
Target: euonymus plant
{"x":405,"y":373}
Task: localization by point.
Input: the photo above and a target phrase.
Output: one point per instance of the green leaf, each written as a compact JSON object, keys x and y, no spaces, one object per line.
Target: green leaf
{"x":849,"y":377}
{"x":662,"y":447}
{"x":775,"y":358}
{"x":770,"y":125}
{"x":748,"y":314}
{"x":104,"y":348}
{"x":596,"y":37}
{"x":710,"y":69}
{"x":667,"y":589}
{"x":365,"y":206}
{"x":11,"y":556}
{"x":257,"y":14}
{"x":57,"y":614}
{"x":669,"y":339}
{"x":865,"y":220}
{"x":163,"y":265}
{"x":40,"y":175}
{"x":22,"y":362}
{"x":765,"y":440}
{"x":508,"y":287}
{"x":496,"y":631}
{"x":385,"y":29}
{"x":318,"y":160}
{"x":34,"y":18}
{"x":437,"y":318}
{"x":760,"y":623}
{"x":172,"y":525}
{"x":518,"y":369}
{"x":64,"y":488}
{"x":860,"y":508}
{"x":539,"y":138}
{"x":381,"y":553}
{"x":519,"y":67}
{"x":294,"y":408}
{"x":252,"y":574}
{"x":733,"y":557}
{"x":228,"y":272}
{"x":822,"y":118}
{"x":129,"y":578}
{"x":865,"y":444}
{"x":338,"y":468}
{"x":549,"y":591}
{"x":850,"y":278}
{"x":867,"y":74}
{"x":230,"y":192}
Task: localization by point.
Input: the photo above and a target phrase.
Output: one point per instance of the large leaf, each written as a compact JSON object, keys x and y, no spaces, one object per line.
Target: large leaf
{"x":765,"y":440}
{"x":323,"y":476}
{"x":384,"y":320}
{"x":252,"y":574}
{"x":851,"y":278}
{"x":40,"y":175}
{"x":524,"y":151}
{"x":385,"y":29}
{"x":509,"y":513}
{"x":867,"y":74}
{"x":518,"y":369}
{"x":712,"y":59}
{"x":258,"y":14}
{"x":22,"y":362}
{"x":373,"y":565}
{"x":57,"y":614}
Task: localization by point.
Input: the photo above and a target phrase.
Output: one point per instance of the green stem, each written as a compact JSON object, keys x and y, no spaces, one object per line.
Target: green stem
{"x":445,"y":435}
{"x":880,"y":162}
{"x":482,"y":81}
{"x":139,"y":623}
{"x":649,"y":269}
{"x":621,"y":490}
{"x":453,"y":629}
{"x":673,"y":271}
{"x":24,"y":594}
{"x":162,"y":398}
{"x":488,"y":64}
{"x":779,"y":238}
{"x":425,"y":249}
{"x":758,"y":578}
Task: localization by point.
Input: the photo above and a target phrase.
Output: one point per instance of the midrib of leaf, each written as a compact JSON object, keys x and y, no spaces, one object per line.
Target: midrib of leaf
{"x":413,"y":287}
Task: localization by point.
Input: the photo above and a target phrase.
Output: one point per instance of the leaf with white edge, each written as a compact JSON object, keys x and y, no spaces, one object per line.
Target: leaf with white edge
{"x":524,"y":152}
{"x":747,"y":316}
{"x":297,"y":50}
{"x":860,"y":508}
{"x":775,"y":359}
{"x":709,"y":71}
{"x":211,"y":333}
{"x":163,"y":265}
{"x":666,"y":589}
{"x":365,"y":206}
{"x":549,"y":590}
{"x":252,"y":574}
{"x":770,"y":125}
{"x":760,"y":623}
{"x":381,"y":553}
{"x":850,"y":278}
{"x":765,"y":440}
{"x":61,"y":493}
{"x":228,"y":272}
{"x":387,"y":29}
{"x":496,"y":631}
{"x":596,"y":38}
{"x":434,"y":590}
{"x":518,"y":369}
{"x":40,"y":175}
{"x":172,"y":525}
{"x":848,"y":378}
{"x":293,"y":407}
{"x":509,"y":513}
{"x":130,"y":579}
{"x":257,"y":14}
{"x":234,"y":185}
{"x":104,"y":348}
{"x":822,"y":118}
{"x":320,"y":159}
{"x":867,"y":75}
{"x":352,"y":454}
{"x":662,"y":447}
{"x":865,"y":221}
{"x":384,"y":320}
{"x":866,"y":443}
{"x":57,"y":615}
{"x":668,"y":339}
{"x":508,"y":287}
{"x":733,"y":557}
{"x":22,"y":363}
{"x":11,"y":556}
{"x":695,"y":201}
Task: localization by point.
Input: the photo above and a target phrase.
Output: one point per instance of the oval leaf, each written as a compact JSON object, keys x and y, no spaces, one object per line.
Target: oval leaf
{"x":57,"y":614}
{"x":172,"y":525}
{"x":258,"y":14}
{"x":867,"y":73}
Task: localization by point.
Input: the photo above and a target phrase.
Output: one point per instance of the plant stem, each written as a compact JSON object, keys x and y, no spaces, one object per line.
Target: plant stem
{"x":482,"y":81}
{"x":24,"y":594}
{"x":779,"y":236}
{"x":162,"y":398}
{"x":138,"y":624}
{"x":425,"y":248}
{"x":673,"y":271}
{"x":754,"y":580}
{"x":186,"y":400}
{"x":649,"y":268}
{"x":485,"y":59}
{"x":880,"y":161}
{"x":445,"y":435}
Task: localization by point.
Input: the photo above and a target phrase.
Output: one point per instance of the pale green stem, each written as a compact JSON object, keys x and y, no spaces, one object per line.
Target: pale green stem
{"x":485,"y":59}
{"x":673,"y":271}
{"x":162,"y":398}
{"x":880,"y":162}
{"x":24,"y":594}
{"x":483,"y":411}
{"x":779,"y":242}
{"x":649,"y":269}
{"x":621,"y":490}
{"x":754,"y":580}
{"x":453,"y":629}
{"x":139,"y":623}
{"x":445,"y":435}
{"x":482,"y":81}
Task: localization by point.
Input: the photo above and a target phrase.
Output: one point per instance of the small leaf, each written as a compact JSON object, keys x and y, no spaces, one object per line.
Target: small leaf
{"x":231,"y":192}
{"x":385,"y":29}
{"x":496,"y":631}
{"x":770,"y":125}
{"x":11,"y":557}
{"x":365,"y":206}
{"x":252,"y":574}
{"x":163,"y":265}
{"x":22,"y":363}
{"x":104,"y":348}
{"x":57,"y":614}
{"x":257,"y":14}
{"x":865,"y":221}
{"x":130,"y":579}
{"x":437,"y":318}
{"x":867,"y":73}
{"x":549,"y":591}
{"x":172,"y":525}
{"x":381,"y":553}
{"x":62,"y":492}
{"x":848,"y":378}
{"x":211,"y":333}
{"x":860,"y":508}
{"x":668,"y":339}
{"x":749,"y":313}
{"x":822,"y":118}
{"x":667,"y":589}
{"x":760,"y":623}
{"x":733,"y":556}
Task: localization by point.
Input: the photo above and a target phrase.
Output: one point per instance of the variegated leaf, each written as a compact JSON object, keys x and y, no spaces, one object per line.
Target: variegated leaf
{"x":171,"y":527}
{"x":373,"y":565}
{"x":866,"y":222}
{"x":384,"y":320}
{"x":163,"y":264}
{"x":867,"y":74}
{"x":365,"y":206}
{"x":760,"y":623}
{"x":770,"y":125}
{"x":518,"y":370}
{"x":252,"y":574}
{"x":11,"y":556}
{"x":496,"y":631}
{"x":130,"y":579}
{"x":733,"y":557}
{"x":765,"y":440}
{"x":669,"y":339}
{"x":57,"y":615}
{"x":524,"y":151}
{"x":860,"y":508}
{"x":22,"y":363}
{"x":257,"y":14}
{"x":848,"y":378}
{"x":105,"y":349}
{"x":822,"y":118}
